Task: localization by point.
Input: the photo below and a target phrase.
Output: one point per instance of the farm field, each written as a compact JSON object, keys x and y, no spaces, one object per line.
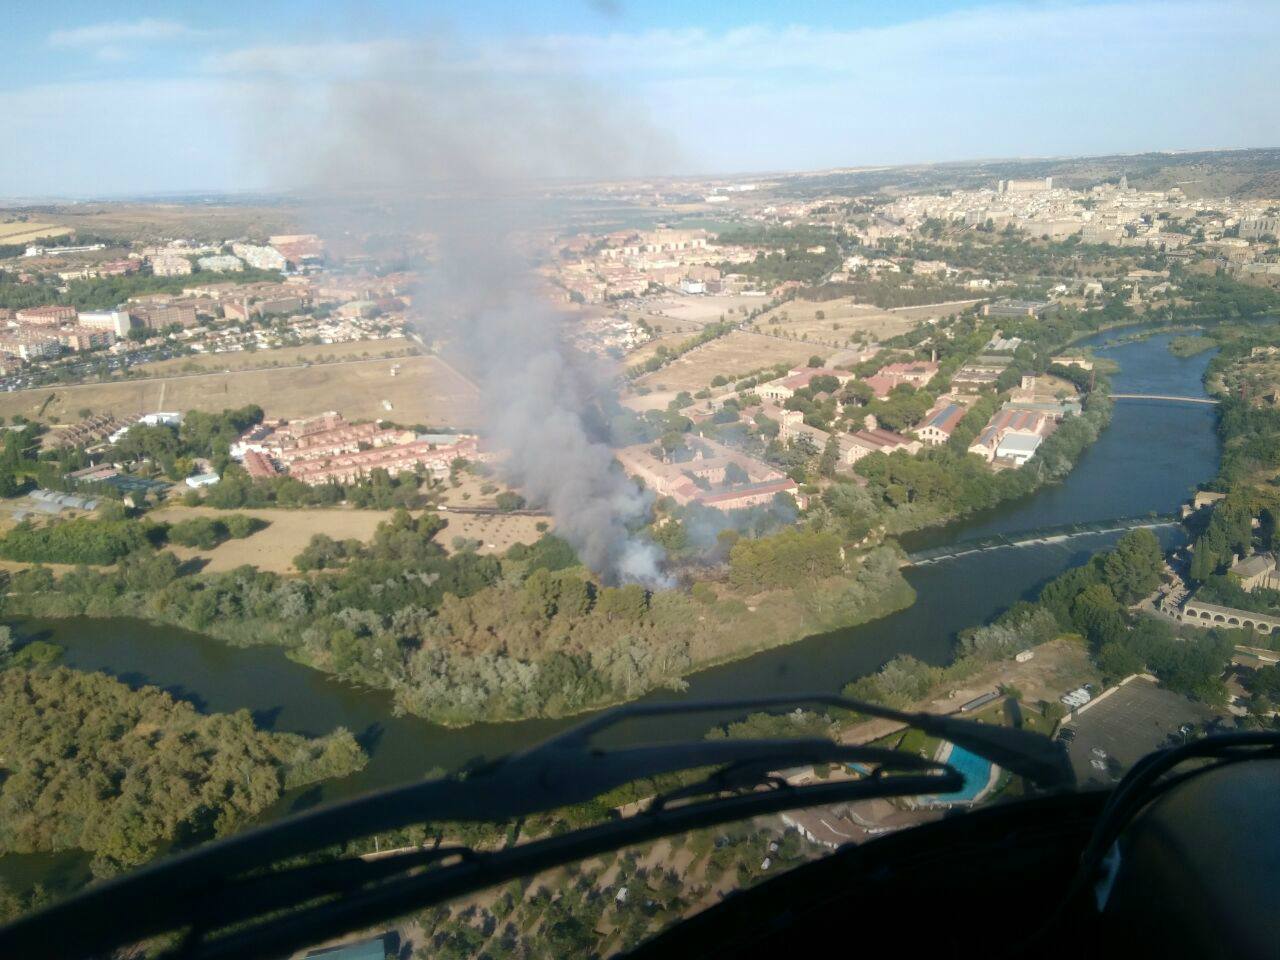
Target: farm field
{"x":425,"y":391}
{"x":29,"y":232}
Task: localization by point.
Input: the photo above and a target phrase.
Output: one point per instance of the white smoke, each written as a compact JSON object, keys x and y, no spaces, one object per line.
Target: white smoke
{"x":421,"y":144}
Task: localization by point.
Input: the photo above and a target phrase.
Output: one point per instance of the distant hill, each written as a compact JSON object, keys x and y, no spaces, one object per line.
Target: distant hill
{"x":1239,"y":173}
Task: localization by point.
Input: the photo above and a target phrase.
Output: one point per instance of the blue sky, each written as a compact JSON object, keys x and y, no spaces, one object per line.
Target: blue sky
{"x":109,"y":98}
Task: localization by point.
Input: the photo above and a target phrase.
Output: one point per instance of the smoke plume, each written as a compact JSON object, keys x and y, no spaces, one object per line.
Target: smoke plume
{"x":451,"y":148}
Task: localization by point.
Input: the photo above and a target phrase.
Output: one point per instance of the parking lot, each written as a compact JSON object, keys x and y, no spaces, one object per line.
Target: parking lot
{"x":1128,"y":724}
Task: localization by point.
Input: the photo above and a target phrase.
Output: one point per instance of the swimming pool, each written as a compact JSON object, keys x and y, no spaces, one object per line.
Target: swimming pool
{"x":976,"y":771}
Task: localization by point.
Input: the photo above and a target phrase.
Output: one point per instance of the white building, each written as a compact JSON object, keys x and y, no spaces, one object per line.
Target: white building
{"x":170,"y":265}
{"x":117,"y":321}
{"x":221,"y":264}
{"x":260,"y":258}
{"x":1019,"y":447}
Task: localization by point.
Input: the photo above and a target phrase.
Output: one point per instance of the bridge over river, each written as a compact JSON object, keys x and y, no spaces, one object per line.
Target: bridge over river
{"x":1163,"y":396}
{"x":1047,"y":535}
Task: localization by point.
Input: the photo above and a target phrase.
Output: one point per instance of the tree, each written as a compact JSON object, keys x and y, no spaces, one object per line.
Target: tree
{"x":815,"y":361}
{"x":830,"y":458}
{"x":508,"y":501}
{"x":1132,"y":569}
{"x":1097,"y":615}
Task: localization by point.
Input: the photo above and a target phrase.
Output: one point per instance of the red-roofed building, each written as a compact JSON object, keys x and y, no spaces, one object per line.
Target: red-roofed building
{"x":940,"y":422}
{"x":785,"y":387}
{"x":857,"y":446}
{"x":259,"y":465}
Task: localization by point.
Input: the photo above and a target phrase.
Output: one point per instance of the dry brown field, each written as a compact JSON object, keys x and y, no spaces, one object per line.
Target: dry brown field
{"x":29,"y":232}
{"x":289,"y":532}
{"x":282,"y":357}
{"x":144,"y":221}
{"x":425,"y":391}
{"x":274,"y":547}
{"x":706,"y":309}
{"x":736,"y":352}
{"x":496,"y":532}
{"x":930,"y":310}
{"x":842,"y":319}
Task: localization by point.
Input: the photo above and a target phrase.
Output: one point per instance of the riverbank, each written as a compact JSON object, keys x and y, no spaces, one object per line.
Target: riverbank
{"x":501,"y":653}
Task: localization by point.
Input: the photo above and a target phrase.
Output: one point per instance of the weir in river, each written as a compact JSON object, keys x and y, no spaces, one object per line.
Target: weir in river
{"x":1049,"y":535}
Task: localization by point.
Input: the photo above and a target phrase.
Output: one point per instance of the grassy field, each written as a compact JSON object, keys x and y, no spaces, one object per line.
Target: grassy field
{"x":736,"y":352}
{"x":425,"y":391}
{"x":29,"y":232}
{"x":289,"y":532}
{"x":273,"y":548}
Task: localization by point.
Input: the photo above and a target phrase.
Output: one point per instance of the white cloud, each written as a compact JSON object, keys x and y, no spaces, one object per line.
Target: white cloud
{"x":309,"y":60}
{"x":105,"y":35}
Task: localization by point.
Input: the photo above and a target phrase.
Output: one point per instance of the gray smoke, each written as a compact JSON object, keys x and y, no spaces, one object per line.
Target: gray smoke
{"x":453,"y":150}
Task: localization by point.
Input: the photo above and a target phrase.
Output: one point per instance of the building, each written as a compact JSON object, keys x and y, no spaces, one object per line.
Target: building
{"x":118,"y":322}
{"x":260,"y":258}
{"x":350,"y":467}
{"x":1024,"y":186}
{"x":917,"y":373}
{"x":1015,"y":308}
{"x":1257,"y":572}
{"x":864,"y":442}
{"x":259,"y":466}
{"x":47,"y":316}
{"x":998,"y":438}
{"x":85,"y":338}
{"x":1018,"y":447}
{"x":1070,"y":360}
{"x":117,"y":268}
{"x":785,"y":387}
{"x":714,"y":475}
{"x":975,"y":377}
{"x":278,"y":306}
{"x":171,"y":265}
{"x":221,"y":264}
{"x":940,"y":423}
{"x":29,"y":345}
{"x":202,"y":480}
{"x":158,"y":316}
{"x":329,"y":449}
{"x":1259,"y":227}
{"x":299,"y":249}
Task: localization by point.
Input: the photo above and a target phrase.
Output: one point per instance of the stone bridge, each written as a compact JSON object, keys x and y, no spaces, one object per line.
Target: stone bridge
{"x":1200,"y":614}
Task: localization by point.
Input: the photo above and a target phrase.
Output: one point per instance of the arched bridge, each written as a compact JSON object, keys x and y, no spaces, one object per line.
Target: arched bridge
{"x":1211,"y":615}
{"x":1163,"y":396}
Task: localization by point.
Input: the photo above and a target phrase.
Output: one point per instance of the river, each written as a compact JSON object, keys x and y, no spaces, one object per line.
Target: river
{"x":1146,"y":462}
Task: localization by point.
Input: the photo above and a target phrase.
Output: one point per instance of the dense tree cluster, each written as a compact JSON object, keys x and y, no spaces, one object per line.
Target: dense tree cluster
{"x":205,"y":533}
{"x":90,"y":764}
{"x":463,"y":637}
{"x":83,"y":540}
